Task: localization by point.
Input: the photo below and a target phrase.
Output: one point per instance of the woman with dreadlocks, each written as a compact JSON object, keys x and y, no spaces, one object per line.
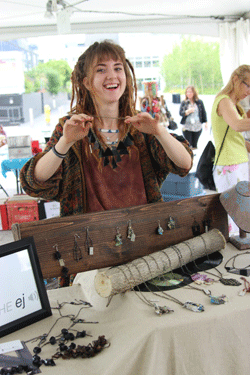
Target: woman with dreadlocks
{"x":104,"y":155}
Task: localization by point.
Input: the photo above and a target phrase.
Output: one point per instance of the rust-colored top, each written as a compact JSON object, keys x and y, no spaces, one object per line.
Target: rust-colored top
{"x":109,"y":188}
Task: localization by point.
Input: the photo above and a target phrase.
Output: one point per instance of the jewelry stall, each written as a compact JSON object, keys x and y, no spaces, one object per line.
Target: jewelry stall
{"x":122,"y":322}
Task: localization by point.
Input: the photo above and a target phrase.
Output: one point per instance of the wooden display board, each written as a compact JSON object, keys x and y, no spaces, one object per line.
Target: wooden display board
{"x":103,"y":228}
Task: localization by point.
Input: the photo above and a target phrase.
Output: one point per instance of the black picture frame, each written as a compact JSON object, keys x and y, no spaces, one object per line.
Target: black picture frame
{"x":25,"y":248}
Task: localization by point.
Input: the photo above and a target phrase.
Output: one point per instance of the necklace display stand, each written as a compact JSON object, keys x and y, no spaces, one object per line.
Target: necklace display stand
{"x":102,"y":229}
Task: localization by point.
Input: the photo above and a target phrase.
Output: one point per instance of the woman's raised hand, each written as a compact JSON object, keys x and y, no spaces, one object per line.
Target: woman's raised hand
{"x":145,"y":123}
{"x":76,"y":128}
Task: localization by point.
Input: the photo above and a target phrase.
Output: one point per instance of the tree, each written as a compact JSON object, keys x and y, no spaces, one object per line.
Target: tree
{"x":53,"y":82}
{"x":45,"y":75}
{"x":193,"y":62}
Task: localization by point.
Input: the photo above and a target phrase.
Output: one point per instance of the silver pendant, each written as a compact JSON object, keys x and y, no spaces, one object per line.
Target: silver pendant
{"x":219,"y":300}
{"x":195,"y":307}
{"x":159,"y":310}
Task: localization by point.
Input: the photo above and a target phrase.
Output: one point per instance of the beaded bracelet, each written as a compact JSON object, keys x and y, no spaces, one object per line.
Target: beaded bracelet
{"x":62,"y":156}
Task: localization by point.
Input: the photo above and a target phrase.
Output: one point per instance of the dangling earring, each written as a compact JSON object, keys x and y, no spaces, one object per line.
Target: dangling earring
{"x":159,"y":228}
{"x":171,"y":223}
{"x":77,"y":253}
{"x":118,"y":238}
{"x":58,"y":256}
{"x":196,"y":229}
{"x":131,"y":233}
{"x":89,"y":242}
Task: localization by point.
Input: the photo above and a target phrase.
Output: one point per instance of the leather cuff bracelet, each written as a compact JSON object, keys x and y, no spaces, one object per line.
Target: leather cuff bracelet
{"x":62,"y":156}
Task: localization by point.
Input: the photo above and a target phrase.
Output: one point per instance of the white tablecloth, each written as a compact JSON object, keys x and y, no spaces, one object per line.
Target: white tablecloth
{"x":214,"y":342}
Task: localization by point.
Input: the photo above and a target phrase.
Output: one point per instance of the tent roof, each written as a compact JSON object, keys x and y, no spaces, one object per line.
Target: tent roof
{"x":25,"y":18}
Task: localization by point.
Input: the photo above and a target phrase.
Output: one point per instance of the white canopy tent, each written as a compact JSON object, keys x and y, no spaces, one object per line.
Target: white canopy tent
{"x":226,"y":19}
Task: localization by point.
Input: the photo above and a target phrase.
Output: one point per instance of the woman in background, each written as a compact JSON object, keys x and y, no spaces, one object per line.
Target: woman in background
{"x":193,"y":115}
{"x":232,"y":164}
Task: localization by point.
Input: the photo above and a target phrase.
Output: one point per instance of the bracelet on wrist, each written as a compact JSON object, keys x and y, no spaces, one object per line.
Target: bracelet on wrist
{"x":62,"y":156}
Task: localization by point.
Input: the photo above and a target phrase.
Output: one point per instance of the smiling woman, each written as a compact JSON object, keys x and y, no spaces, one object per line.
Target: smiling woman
{"x":104,"y":155}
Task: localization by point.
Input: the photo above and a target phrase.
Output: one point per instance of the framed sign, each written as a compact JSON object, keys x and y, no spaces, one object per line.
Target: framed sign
{"x":23,"y":297}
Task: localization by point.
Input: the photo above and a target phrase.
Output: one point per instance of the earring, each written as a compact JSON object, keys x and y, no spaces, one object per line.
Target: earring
{"x":131,"y":233}
{"x":118,"y":238}
{"x":89,"y":242}
{"x":58,"y":256}
{"x":171,"y":223}
{"x":159,"y":228}
{"x":196,"y":229}
{"x":77,"y":253}
{"x":206,"y":224}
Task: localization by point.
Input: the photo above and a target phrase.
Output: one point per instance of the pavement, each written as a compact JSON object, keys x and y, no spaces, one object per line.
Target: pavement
{"x":38,"y":129}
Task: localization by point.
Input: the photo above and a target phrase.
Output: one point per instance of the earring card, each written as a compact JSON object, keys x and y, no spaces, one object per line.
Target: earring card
{"x":205,"y":212}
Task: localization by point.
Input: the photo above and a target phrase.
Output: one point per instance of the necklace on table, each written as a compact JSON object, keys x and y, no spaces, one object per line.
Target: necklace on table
{"x":244,"y":271}
{"x":225,"y":281}
{"x":214,"y":300}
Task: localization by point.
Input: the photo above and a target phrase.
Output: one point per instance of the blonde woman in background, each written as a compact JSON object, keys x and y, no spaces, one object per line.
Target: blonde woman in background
{"x":232,"y":164}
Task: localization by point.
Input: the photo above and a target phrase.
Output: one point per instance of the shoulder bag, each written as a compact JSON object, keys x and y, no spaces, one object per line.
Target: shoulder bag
{"x":206,"y":165}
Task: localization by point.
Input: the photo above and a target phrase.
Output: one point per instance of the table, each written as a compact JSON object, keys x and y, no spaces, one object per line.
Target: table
{"x":215,"y":342}
{"x":14,"y":165}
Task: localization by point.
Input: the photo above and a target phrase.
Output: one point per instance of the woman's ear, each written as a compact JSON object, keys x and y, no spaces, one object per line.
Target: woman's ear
{"x":86,"y":83}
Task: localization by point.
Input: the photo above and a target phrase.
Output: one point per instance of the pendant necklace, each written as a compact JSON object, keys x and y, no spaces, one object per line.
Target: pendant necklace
{"x":159,"y":310}
{"x":192,"y":306}
{"x":107,"y":135}
{"x":225,"y":281}
{"x":110,"y":155}
{"x":214,"y":300}
{"x":244,"y":271}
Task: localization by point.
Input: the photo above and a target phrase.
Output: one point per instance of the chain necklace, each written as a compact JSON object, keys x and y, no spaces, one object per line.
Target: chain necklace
{"x":232,"y":282}
{"x":245,"y":271}
{"x":214,"y":300}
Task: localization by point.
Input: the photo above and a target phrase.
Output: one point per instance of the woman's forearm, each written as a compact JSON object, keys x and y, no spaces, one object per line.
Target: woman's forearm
{"x":175,"y":150}
{"x":49,"y":163}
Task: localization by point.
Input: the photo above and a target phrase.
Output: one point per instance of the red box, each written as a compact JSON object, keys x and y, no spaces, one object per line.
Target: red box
{"x":4,"y":217}
{"x":22,"y":211}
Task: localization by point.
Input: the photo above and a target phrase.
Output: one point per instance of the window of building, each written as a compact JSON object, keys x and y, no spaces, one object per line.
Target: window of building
{"x":147,"y":64}
{"x":155,"y":63}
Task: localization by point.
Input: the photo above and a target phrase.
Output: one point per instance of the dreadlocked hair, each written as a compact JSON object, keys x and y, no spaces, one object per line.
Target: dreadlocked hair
{"x":82,"y":100}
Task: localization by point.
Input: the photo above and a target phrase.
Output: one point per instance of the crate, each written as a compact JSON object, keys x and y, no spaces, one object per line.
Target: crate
{"x":21,"y":211}
{"x":4,"y":223}
{"x":19,"y":141}
{"x":20,"y":152}
{"x":176,"y":187}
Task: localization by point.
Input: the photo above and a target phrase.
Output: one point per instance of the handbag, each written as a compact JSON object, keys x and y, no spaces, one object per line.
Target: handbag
{"x":172,"y":125}
{"x":206,"y":165}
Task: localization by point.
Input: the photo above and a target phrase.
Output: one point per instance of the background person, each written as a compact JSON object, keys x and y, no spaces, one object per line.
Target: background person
{"x":103,"y":155}
{"x":193,"y":115}
{"x":232,"y":165}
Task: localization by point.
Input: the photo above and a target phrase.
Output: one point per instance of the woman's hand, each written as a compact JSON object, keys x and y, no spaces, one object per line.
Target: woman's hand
{"x":145,"y":123}
{"x":76,"y":128}
{"x":188,"y":111}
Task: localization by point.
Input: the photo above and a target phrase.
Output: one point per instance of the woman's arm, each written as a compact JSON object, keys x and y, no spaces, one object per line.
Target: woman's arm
{"x":173,"y":148}
{"x":75,"y":128}
{"x":247,"y":143}
{"x":227,"y":110}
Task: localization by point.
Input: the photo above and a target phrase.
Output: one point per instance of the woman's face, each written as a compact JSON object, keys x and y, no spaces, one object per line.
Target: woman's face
{"x":244,"y":87}
{"x":108,"y":81}
{"x":189,"y":94}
